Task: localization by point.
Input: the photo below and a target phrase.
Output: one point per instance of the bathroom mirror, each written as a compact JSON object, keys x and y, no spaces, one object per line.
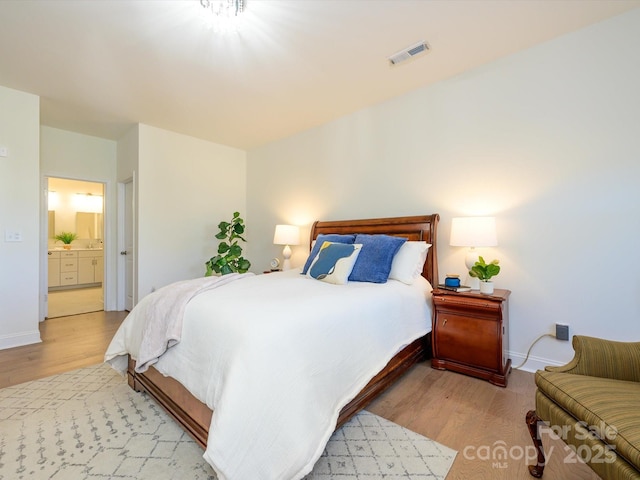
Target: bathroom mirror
{"x":89,"y":225}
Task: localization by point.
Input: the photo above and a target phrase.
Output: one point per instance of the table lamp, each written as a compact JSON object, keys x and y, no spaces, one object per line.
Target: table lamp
{"x":286,"y":235}
{"x":473,"y":232}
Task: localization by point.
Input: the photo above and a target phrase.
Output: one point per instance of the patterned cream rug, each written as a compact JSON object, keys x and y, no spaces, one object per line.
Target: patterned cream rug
{"x":88,"y":424}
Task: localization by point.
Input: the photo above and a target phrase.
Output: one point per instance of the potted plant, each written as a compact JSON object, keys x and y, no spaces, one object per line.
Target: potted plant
{"x":66,"y":238}
{"x":484,"y":272}
{"x":229,"y":258}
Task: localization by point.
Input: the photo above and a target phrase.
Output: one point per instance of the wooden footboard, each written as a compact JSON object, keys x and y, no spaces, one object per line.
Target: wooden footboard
{"x":195,"y":417}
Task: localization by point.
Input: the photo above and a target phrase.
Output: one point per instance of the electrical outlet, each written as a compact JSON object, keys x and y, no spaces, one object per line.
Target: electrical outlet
{"x":562,"y":332}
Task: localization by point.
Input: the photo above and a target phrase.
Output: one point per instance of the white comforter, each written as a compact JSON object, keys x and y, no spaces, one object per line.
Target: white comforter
{"x":277,"y":357}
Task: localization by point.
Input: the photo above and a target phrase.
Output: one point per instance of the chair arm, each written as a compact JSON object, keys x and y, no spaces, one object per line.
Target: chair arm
{"x":597,"y":357}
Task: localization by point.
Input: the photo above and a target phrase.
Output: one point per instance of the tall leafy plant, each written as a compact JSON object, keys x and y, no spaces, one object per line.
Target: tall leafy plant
{"x":229,"y":258}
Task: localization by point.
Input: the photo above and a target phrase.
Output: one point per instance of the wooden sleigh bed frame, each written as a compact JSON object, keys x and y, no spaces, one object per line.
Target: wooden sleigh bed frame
{"x":195,"y":417}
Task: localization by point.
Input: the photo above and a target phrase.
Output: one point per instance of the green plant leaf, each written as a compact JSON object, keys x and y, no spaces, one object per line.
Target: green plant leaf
{"x":243,"y":265}
{"x":209,"y":267}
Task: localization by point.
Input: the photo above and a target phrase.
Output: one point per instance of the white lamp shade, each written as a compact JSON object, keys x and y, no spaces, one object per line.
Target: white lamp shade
{"x":286,"y":235}
{"x":473,"y":232}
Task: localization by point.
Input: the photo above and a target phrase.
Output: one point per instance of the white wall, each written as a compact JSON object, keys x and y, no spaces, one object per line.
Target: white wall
{"x":127,"y":156}
{"x":186,"y":186}
{"x":19,"y":212}
{"x":547,"y":140}
{"x":82,"y":157}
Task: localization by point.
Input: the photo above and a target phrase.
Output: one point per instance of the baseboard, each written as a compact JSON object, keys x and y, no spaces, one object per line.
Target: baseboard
{"x":533,"y":363}
{"x":19,"y":339}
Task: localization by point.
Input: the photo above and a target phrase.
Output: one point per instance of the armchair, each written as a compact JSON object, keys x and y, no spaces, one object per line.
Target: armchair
{"x":593,"y":402}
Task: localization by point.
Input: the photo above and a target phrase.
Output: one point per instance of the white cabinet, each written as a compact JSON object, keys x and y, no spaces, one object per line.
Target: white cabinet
{"x":90,"y":266}
{"x":75,"y":268}
{"x":68,"y":268}
{"x":54,"y":269}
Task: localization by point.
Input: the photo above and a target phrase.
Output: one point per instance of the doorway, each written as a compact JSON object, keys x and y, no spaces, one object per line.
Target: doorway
{"x":75,"y":247}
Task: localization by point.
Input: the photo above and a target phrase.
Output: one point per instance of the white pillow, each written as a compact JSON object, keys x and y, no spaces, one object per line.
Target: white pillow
{"x":334,"y":262}
{"x":408,"y":263}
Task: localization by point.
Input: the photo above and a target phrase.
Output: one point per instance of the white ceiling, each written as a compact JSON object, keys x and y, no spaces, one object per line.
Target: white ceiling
{"x":100,"y":66}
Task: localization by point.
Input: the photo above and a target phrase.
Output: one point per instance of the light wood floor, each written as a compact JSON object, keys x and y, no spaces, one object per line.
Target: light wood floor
{"x":464,"y":413}
{"x":475,"y":418}
{"x":63,"y":303}
{"x":67,"y":343}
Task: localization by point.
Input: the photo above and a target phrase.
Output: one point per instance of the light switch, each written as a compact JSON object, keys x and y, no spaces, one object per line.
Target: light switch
{"x":12,"y":236}
{"x":3,"y":151}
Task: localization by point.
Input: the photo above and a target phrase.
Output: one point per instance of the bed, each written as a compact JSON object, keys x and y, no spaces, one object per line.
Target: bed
{"x":196,"y":417}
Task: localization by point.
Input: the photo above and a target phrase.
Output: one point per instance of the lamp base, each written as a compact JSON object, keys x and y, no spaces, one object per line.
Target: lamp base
{"x":470,"y":260}
{"x":286,"y":254}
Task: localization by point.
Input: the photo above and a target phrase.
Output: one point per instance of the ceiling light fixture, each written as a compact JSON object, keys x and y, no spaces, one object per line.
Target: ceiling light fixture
{"x":224,"y":14}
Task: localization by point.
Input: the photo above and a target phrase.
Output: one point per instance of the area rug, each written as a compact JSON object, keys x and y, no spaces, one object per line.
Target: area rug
{"x":88,"y":424}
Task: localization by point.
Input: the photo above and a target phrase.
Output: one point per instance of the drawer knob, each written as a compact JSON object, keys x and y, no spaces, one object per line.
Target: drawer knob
{"x":444,"y":322}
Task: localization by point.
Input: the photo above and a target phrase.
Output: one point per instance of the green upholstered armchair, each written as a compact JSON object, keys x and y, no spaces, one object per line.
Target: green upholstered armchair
{"x":594,"y":401}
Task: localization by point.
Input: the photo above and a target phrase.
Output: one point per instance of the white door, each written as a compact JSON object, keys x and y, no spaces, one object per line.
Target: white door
{"x":128,"y":241}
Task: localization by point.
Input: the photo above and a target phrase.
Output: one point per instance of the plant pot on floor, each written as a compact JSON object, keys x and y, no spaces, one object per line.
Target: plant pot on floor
{"x":486,"y":288}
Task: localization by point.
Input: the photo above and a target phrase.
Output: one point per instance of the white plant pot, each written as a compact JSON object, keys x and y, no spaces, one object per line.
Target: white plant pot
{"x":486,"y":288}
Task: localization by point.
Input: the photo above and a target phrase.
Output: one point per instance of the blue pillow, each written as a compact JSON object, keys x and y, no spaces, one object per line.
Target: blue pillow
{"x":320,"y":239}
{"x":375,"y":259}
{"x":334,"y":262}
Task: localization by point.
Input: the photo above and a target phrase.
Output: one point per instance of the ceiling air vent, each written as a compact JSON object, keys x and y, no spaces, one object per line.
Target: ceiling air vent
{"x":408,"y":53}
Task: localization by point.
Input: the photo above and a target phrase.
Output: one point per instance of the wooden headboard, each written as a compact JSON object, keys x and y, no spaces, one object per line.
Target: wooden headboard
{"x":416,"y":228}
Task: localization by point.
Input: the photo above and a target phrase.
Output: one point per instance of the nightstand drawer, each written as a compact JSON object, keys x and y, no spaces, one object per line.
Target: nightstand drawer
{"x":467,"y":306}
{"x":470,"y":340}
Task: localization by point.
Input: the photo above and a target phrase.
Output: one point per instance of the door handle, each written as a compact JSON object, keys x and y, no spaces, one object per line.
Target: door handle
{"x":124,"y":252}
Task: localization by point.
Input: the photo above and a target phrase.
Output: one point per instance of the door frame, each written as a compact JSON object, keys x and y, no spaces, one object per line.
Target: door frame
{"x":107,"y":288}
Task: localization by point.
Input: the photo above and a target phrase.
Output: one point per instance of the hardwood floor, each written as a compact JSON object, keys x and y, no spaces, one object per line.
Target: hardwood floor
{"x":67,"y":343}
{"x":476,"y":418}
{"x":464,"y":413}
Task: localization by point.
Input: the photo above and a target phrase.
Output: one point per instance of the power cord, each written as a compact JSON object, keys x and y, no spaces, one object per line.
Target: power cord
{"x":529,"y":351}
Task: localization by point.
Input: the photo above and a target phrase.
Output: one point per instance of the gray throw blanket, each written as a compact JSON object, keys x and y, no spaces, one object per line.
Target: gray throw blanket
{"x":163,"y":311}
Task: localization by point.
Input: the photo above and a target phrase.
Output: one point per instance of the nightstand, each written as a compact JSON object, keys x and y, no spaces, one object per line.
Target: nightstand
{"x":471,"y":334}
